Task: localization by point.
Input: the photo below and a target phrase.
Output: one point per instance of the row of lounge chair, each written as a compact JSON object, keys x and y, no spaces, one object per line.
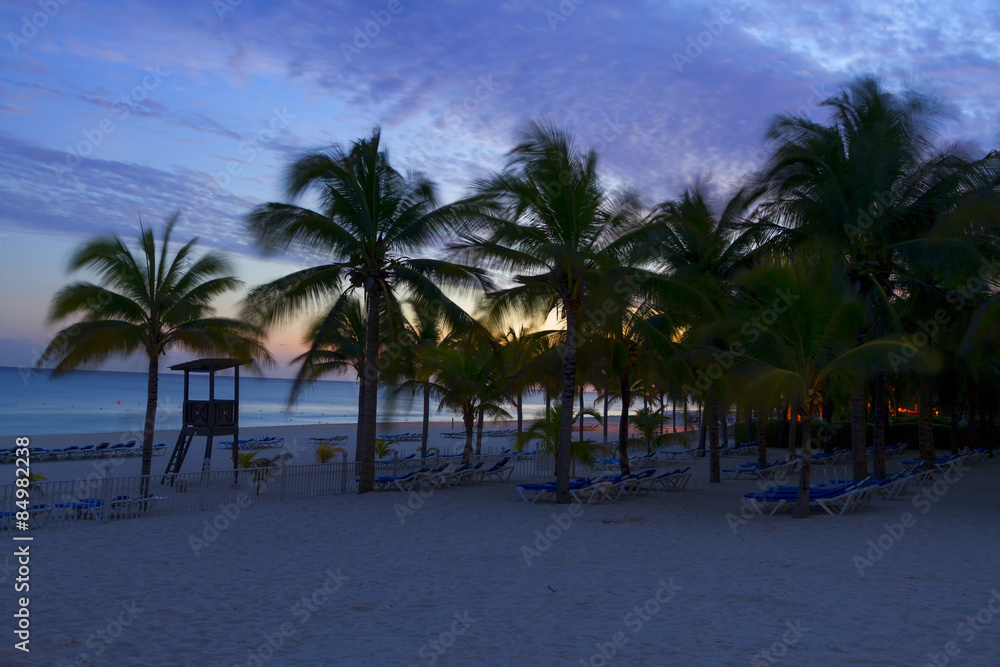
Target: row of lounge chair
{"x":403,"y":437}
{"x":85,"y":508}
{"x":332,"y":440}
{"x":253,"y":444}
{"x":447,"y":474}
{"x":742,"y":449}
{"x":587,"y":490}
{"x":839,"y":498}
{"x":751,"y":470}
{"x":104,"y":450}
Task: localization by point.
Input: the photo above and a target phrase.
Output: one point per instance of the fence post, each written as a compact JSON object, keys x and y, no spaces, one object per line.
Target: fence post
{"x":343,"y":472}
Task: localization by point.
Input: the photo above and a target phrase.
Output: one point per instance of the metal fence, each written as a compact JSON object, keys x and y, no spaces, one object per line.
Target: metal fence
{"x":105,"y":497}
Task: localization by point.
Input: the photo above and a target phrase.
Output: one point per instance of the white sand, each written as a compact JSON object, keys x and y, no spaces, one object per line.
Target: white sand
{"x":461,"y":553}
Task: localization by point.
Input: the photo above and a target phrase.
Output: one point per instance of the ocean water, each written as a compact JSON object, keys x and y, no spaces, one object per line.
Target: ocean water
{"x":33,"y":403}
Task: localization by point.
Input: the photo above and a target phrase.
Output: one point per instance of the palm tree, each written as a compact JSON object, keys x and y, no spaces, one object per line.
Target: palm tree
{"x":647,"y":422}
{"x":519,"y":350}
{"x":546,"y":429}
{"x":369,"y":222}
{"x":548,"y":221}
{"x":465,"y":372}
{"x":811,"y":348}
{"x":336,"y":343}
{"x":150,"y":301}
{"x":703,"y":250}
{"x":872,"y":183}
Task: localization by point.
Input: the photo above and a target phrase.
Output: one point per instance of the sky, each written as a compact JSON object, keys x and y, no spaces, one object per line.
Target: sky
{"x":114,"y":110}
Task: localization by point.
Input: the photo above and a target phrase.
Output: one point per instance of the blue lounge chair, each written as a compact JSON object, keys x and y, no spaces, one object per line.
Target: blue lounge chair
{"x":403,"y":482}
{"x":835,"y":500}
{"x":502,"y":470}
{"x":38,"y":513}
{"x":81,"y":508}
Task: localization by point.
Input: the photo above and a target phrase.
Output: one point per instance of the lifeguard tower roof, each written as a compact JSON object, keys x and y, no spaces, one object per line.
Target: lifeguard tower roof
{"x":209,"y":365}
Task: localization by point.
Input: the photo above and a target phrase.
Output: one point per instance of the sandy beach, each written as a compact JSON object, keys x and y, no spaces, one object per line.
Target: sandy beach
{"x":474,"y":576}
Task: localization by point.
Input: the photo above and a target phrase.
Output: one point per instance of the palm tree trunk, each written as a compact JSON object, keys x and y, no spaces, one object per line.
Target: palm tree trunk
{"x":792,"y":421}
{"x":427,"y":421}
{"x":685,"y":413}
{"x":859,"y":444}
{"x":703,"y":432}
{"x":468,"y":418}
{"x":623,"y":423}
{"x":479,"y":434}
{"x":713,"y":440}
{"x":749,"y":422}
{"x":361,"y":416}
{"x":761,"y":440}
{"x":605,"y":415}
{"x":724,"y":424}
{"x":802,"y":501}
{"x":878,"y":440}
{"x":783,"y":433}
{"x":366,"y":479}
{"x":568,"y":389}
{"x":520,"y":413}
{"x":673,"y":415}
{"x":954,"y":427}
{"x":663,"y":416}
{"x":149,"y":426}
{"x":924,"y":432}
{"x":581,"y":413}
{"x":828,"y":409}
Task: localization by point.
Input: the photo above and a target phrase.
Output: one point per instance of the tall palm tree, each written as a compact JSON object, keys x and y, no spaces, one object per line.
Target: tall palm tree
{"x":148,"y":301}
{"x":873,"y":183}
{"x":336,"y":343}
{"x":545,"y":433}
{"x":464,"y":372}
{"x":703,"y":249}
{"x":369,"y":220}
{"x":811,"y":349}
{"x":548,"y":221}
{"x":519,"y":350}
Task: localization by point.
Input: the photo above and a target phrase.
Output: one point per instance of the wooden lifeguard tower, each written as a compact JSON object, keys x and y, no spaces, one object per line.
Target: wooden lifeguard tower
{"x":209,"y":418}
